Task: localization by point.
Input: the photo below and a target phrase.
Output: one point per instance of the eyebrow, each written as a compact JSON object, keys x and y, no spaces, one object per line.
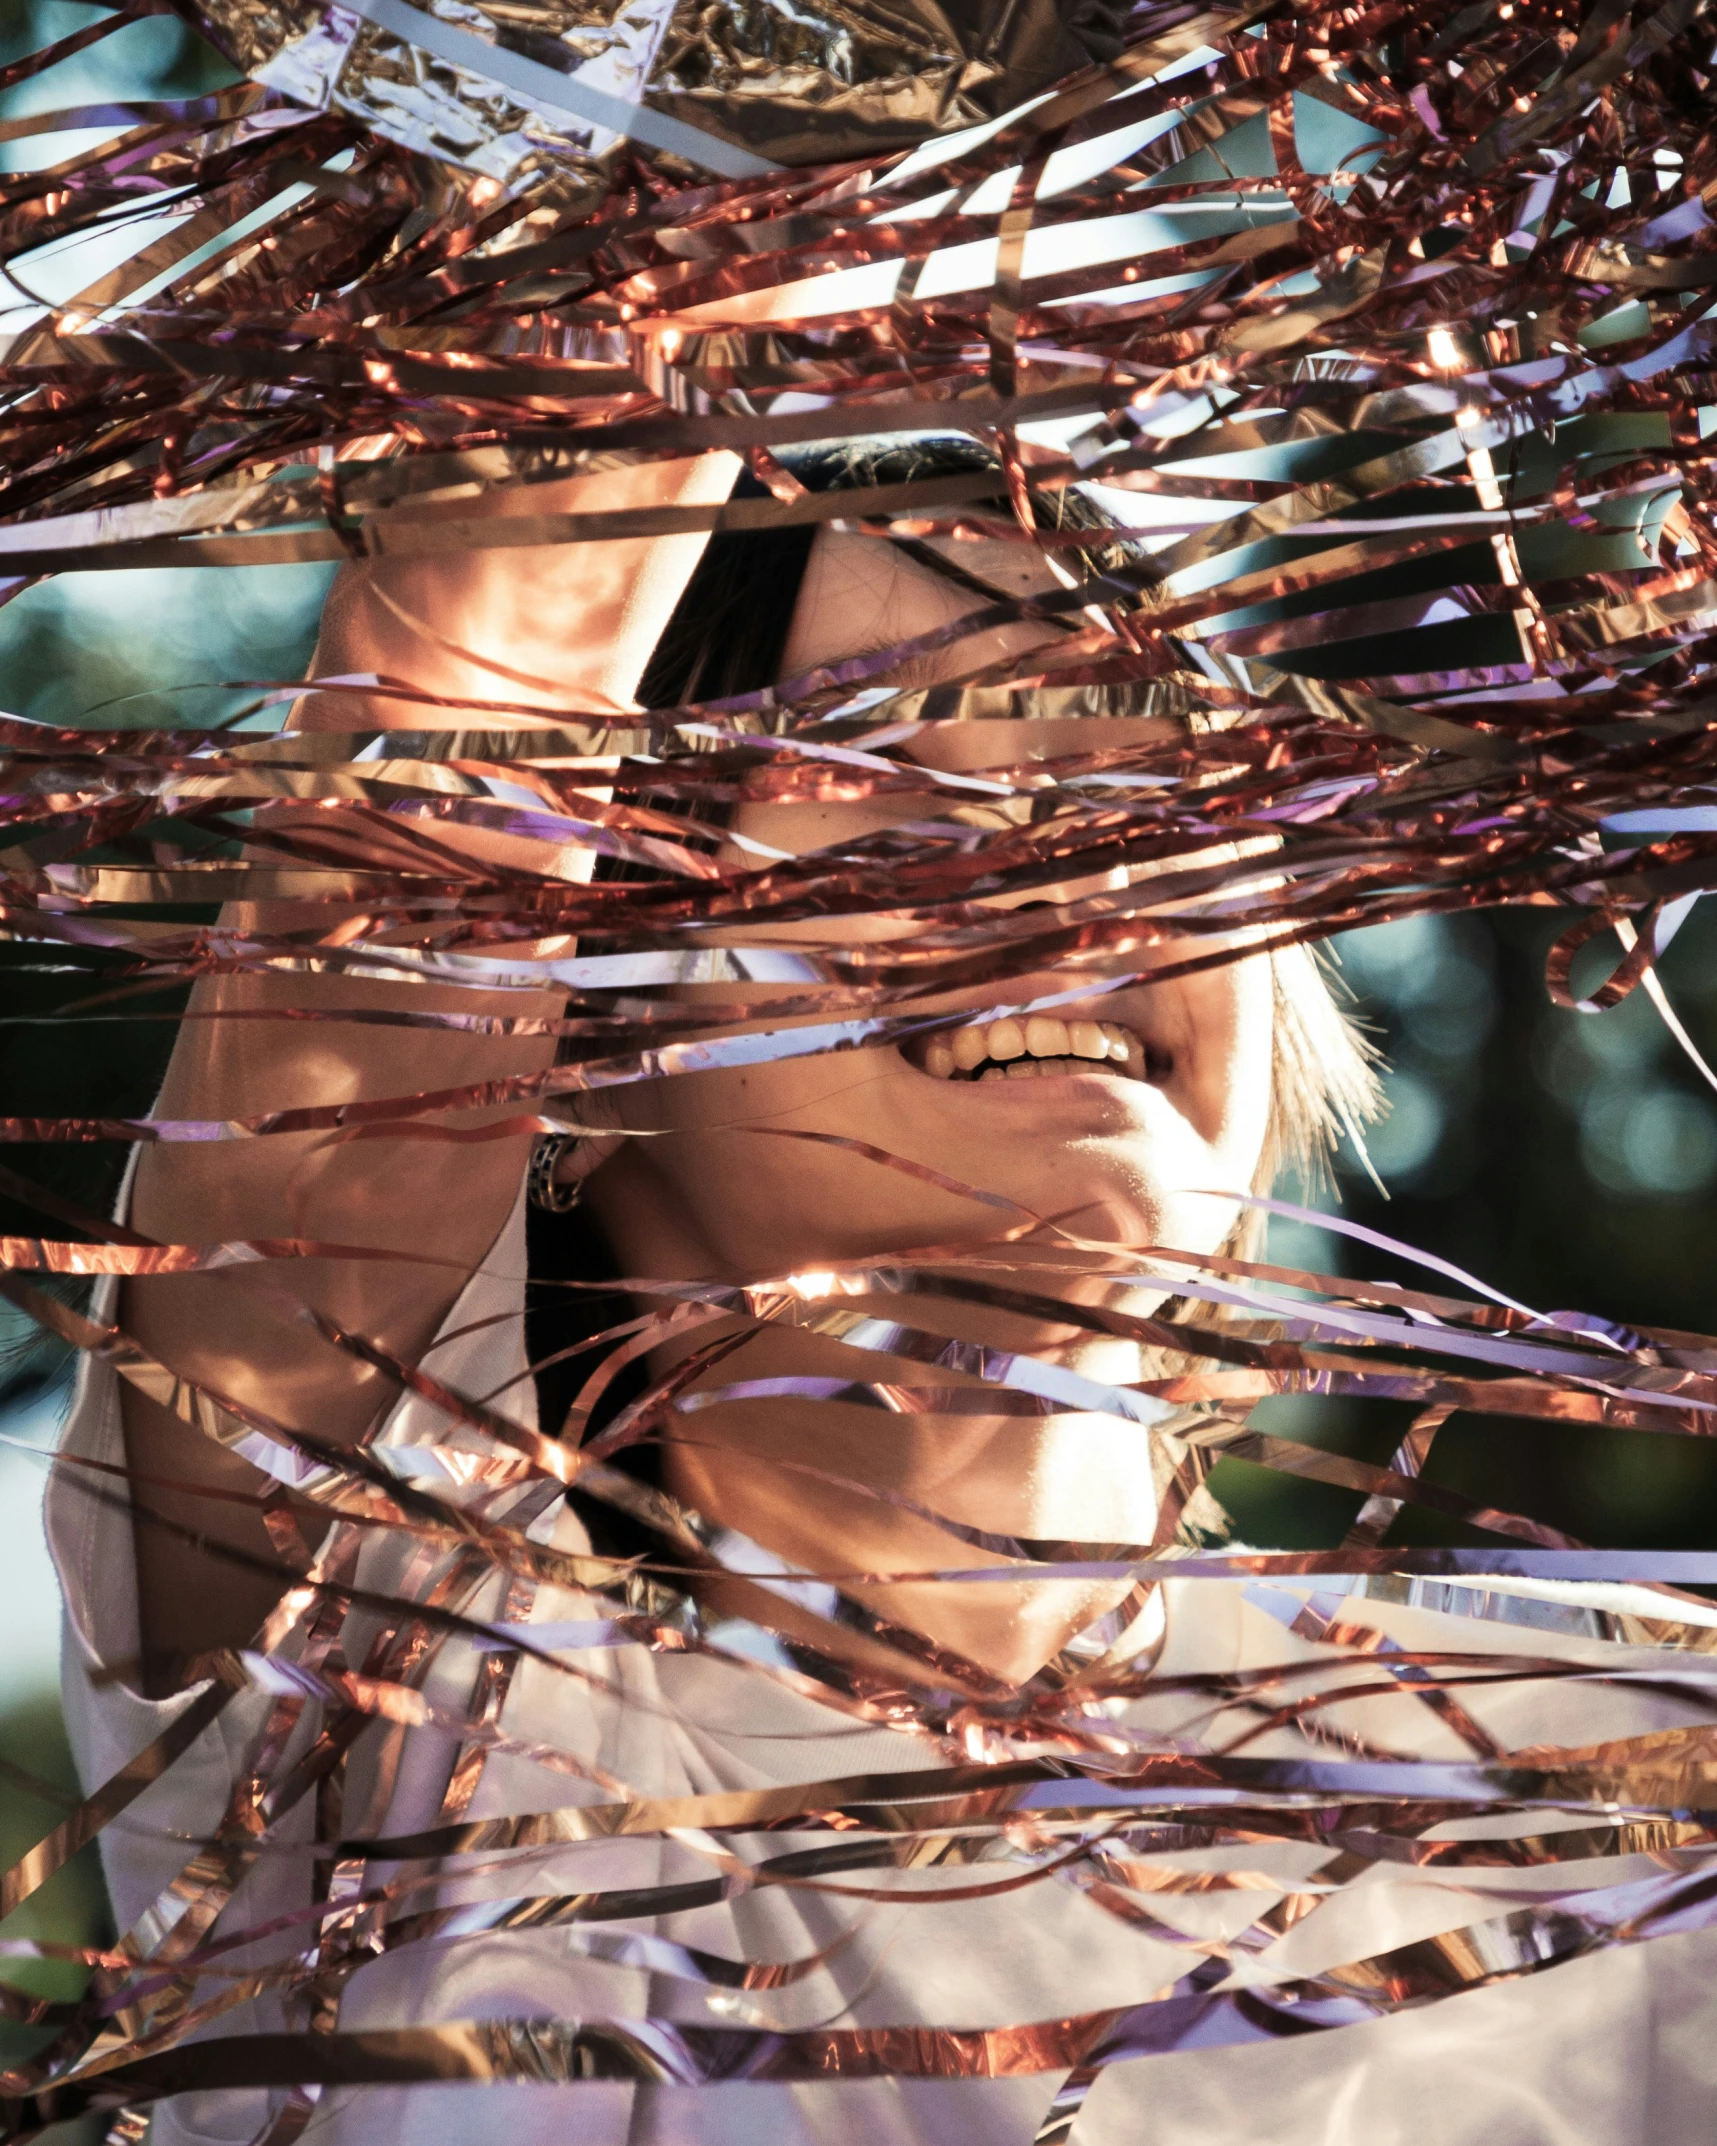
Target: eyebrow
{"x":921,"y":670}
{"x":926,"y":670}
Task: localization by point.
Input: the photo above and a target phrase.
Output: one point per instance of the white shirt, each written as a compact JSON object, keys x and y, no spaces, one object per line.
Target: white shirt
{"x":1617,"y":2049}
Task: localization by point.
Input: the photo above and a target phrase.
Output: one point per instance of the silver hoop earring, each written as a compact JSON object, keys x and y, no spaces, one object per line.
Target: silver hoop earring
{"x":542,"y":1188}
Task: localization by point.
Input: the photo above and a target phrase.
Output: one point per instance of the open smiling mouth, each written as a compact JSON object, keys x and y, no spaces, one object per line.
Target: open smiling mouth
{"x":1038,"y":1048}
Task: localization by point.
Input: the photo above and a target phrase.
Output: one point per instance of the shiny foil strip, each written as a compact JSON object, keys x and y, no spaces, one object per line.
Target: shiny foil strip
{"x":1413,"y":434}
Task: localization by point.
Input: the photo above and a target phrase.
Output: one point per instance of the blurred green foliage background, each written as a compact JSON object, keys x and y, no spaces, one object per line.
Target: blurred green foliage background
{"x":1569,"y":1160}
{"x":1566,"y":1159}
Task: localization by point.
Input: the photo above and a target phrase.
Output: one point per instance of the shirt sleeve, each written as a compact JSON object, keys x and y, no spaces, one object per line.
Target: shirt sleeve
{"x":479,"y":1349}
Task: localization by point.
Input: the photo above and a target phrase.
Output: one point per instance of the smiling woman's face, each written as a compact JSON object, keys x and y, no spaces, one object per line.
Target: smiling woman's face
{"x":1118,"y":1118}
{"x":1135,"y":1145}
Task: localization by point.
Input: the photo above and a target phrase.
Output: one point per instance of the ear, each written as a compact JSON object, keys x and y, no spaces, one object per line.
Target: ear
{"x":592,"y":1116}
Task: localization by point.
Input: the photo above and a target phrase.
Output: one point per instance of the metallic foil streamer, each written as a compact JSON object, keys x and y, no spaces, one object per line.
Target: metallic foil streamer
{"x":1407,"y":319}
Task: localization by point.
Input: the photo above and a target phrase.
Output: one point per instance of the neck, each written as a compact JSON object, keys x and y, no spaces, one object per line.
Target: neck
{"x":857,"y":1484}
{"x":848,"y":1484}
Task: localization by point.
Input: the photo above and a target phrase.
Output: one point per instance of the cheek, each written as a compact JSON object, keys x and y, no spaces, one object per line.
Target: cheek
{"x":1241,"y":1085}
{"x":753,"y":1201}
{"x":1222,"y":1103}
{"x":1221,"y":1029}
{"x":757,"y":1204}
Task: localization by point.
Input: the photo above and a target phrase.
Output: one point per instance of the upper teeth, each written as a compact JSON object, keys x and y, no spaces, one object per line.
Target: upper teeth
{"x":1041,"y":1036}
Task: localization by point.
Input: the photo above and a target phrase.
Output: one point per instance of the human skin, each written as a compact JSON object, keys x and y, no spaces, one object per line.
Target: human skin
{"x":539,"y":625}
{"x":1118,"y":1161}
{"x":701,"y":1190}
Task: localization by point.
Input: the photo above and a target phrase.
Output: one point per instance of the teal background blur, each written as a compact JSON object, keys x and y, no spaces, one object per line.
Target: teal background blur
{"x":1569,"y":1161}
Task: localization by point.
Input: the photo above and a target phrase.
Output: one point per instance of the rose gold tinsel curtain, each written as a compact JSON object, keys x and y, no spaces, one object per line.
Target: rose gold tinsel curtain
{"x":1393,"y":328}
